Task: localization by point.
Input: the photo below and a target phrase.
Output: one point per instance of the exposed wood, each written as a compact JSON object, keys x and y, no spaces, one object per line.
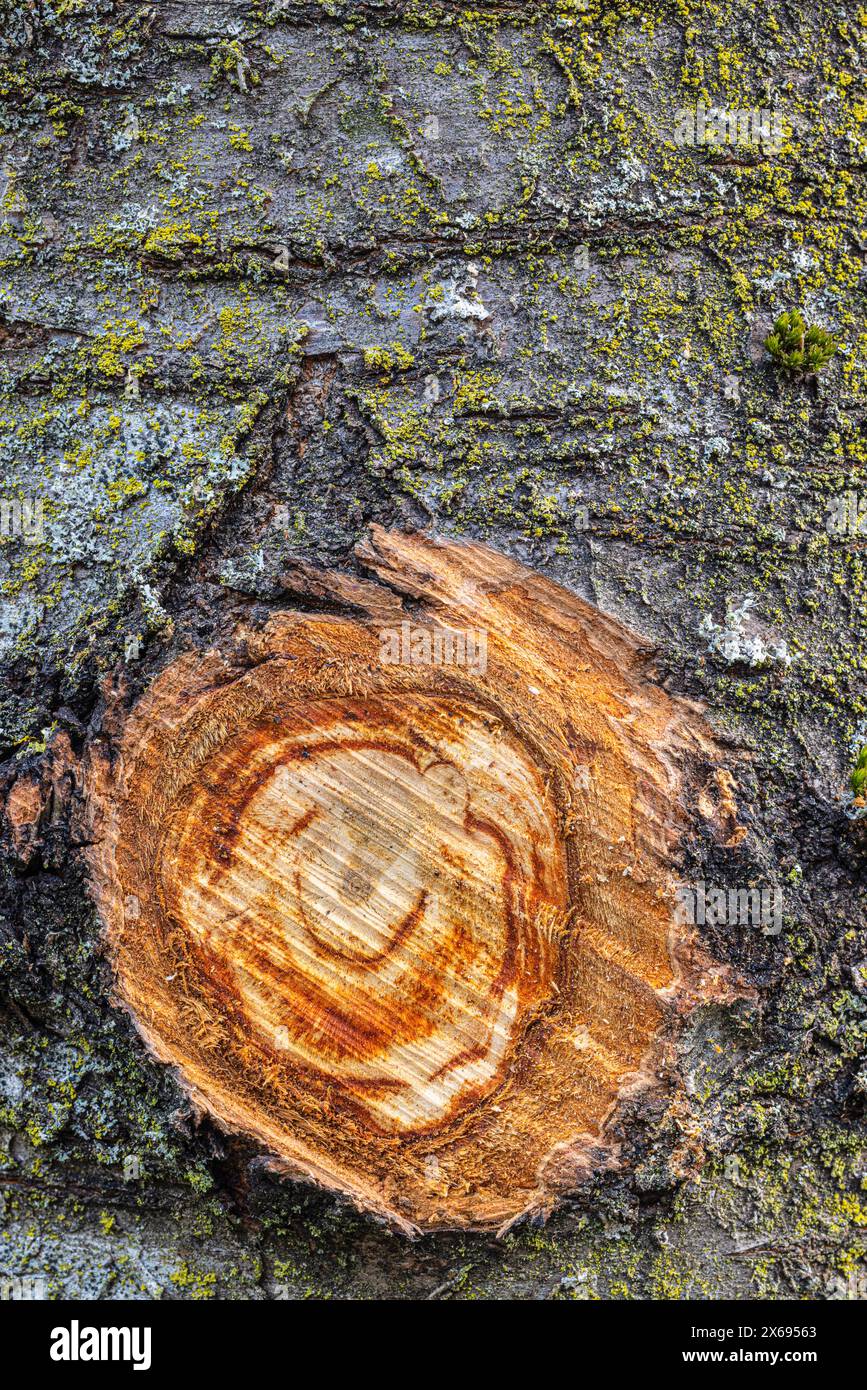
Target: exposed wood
{"x":393,"y":889}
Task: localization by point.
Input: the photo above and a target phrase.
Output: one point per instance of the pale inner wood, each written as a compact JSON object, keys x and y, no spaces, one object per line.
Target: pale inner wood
{"x":381,"y":906}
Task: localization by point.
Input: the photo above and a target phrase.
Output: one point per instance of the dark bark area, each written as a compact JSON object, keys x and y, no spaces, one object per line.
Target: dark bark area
{"x":272,"y":273}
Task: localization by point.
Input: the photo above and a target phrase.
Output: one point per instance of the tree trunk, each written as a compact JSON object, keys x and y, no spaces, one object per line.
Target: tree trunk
{"x":433,"y":642}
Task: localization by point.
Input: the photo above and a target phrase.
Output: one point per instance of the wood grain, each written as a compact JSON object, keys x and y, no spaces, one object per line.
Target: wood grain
{"x":407,"y":923}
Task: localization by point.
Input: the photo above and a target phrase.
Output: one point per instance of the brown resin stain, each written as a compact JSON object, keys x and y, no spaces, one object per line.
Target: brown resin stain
{"x":409,"y":926}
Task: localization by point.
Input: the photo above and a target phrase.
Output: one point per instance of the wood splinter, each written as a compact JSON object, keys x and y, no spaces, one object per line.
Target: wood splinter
{"x":391,"y":890}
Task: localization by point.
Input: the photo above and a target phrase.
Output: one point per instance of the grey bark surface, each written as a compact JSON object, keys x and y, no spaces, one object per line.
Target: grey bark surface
{"x":272,"y":272}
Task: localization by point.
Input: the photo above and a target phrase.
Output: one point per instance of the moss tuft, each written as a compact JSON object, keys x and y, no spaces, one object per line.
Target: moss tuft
{"x":798,"y":349}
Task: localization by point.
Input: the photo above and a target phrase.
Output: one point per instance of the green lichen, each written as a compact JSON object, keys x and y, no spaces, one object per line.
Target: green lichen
{"x":392,"y":357}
